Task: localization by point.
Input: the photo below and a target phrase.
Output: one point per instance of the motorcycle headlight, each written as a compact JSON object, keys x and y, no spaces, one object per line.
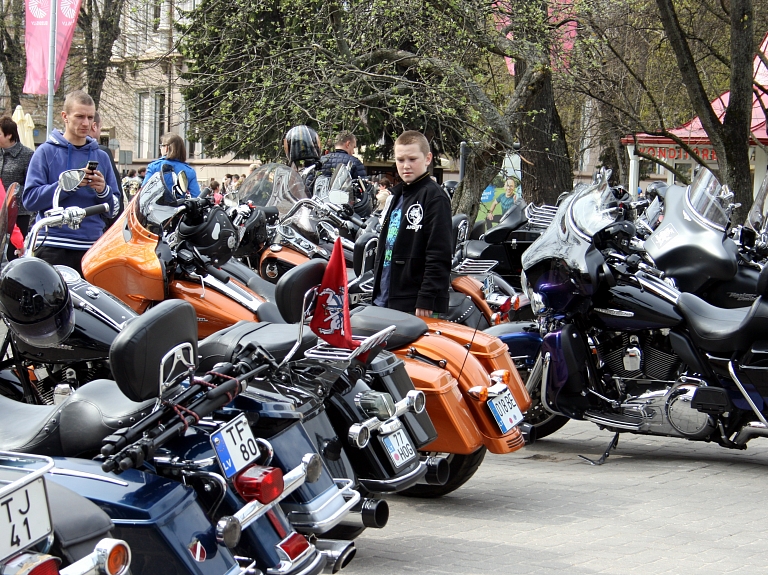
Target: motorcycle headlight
{"x":538,"y":303}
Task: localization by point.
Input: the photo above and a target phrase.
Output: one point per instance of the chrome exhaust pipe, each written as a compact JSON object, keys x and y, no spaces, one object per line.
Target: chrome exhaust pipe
{"x":337,"y":553}
{"x":372,"y":513}
{"x":528,"y":431}
{"x":438,"y":471}
{"x":749,"y":431}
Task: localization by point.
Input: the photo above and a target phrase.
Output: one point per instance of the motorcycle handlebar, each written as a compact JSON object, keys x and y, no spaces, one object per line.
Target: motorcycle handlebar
{"x":97,"y":209}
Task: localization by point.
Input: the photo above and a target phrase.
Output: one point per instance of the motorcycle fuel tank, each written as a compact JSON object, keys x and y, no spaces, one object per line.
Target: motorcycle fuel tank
{"x":630,"y":307}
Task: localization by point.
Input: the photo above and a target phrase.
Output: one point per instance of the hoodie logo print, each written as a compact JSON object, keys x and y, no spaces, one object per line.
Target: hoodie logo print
{"x":414,"y":217}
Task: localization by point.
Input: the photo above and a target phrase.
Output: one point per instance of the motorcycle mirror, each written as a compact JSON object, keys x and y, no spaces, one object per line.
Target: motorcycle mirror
{"x":70,"y":179}
{"x":183,"y":182}
{"x":338,"y":197}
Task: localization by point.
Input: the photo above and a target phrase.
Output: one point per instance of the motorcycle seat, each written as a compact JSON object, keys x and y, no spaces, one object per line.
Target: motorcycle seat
{"x":474,"y":249}
{"x":721,"y":330}
{"x":75,"y":427}
{"x":460,"y":306}
{"x":368,"y":320}
{"x":262,"y":288}
{"x":276,"y":338}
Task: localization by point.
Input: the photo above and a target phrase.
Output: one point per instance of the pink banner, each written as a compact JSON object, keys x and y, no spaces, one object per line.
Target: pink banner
{"x":37,"y":41}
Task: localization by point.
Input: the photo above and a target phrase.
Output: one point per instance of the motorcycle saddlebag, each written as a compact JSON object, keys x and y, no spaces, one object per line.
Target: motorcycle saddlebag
{"x":389,"y":375}
{"x":492,"y":353}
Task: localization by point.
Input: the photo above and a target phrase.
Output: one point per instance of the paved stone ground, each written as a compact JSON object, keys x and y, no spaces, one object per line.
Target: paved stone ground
{"x":657,"y":506}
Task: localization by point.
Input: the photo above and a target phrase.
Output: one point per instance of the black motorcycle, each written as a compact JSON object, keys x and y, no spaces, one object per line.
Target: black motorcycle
{"x":623,"y":348}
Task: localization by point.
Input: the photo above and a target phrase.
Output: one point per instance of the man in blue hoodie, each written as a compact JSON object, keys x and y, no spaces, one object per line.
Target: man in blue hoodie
{"x":70,"y":150}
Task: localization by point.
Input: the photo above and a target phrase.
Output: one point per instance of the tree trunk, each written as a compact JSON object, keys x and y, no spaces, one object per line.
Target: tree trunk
{"x":13,"y":56}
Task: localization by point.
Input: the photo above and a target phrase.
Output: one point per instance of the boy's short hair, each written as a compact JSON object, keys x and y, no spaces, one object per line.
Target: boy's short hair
{"x":413,"y":137}
{"x":9,"y":128}
{"x":344,"y":137}
{"x":77,"y":97}
{"x":131,"y":173}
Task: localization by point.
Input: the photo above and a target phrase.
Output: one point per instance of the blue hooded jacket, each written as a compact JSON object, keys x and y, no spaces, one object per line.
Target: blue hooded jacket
{"x":178,"y":167}
{"x":52,"y":157}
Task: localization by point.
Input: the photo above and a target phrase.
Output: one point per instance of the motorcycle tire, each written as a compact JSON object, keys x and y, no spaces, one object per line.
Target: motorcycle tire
{"x":462,"y":468}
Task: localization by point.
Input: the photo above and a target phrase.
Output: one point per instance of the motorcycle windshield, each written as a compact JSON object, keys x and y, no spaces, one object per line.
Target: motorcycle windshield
{"x":756,"y":218}
{"x":593,"y":209}
{"x":157,"y":204}
{"x":273,"y":184}
{"x":708,"y":198}
{"x":340,"y":189}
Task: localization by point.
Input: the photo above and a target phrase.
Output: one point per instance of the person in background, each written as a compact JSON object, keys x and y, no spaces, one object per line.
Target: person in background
{"x":71,"y":149}
{"x":254,"y":166}
{"x":142,"y":172}
{"x":383,"y":195}
{"x":174,"y":153}
{"x":345,"y":145}
{"x":14,"y":162}
{"x":506,"y":199}
{"x":235,"y":182}
{"x":413,"y":260}
{"x":216,"y":192}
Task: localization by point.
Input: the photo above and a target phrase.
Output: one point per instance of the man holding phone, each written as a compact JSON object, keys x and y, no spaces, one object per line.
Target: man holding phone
{"x":71,"y":149}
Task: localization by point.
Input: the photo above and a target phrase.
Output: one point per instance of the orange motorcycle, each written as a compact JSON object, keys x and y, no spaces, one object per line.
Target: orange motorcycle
{"x":159,"y":250}
{"x":151,"y":254}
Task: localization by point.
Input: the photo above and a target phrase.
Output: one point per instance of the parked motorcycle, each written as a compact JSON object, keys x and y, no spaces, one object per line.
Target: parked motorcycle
{"x":624,"y":349}
{"x":45,"y":525}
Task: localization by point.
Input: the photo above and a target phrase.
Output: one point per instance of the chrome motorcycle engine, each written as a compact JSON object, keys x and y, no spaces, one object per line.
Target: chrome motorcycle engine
{"x":633,"y":356}
{"x":669,"y":412}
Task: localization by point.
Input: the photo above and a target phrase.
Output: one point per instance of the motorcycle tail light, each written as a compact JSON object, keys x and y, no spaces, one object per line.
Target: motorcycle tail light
{"x":479,"y":392}
{"x":294,"y":545}
{"x":501,"y":376}
{"x":507,"y":305}
{"x":118,"y":560}
{"x":264,"y":484}
{"x":48,"y":567}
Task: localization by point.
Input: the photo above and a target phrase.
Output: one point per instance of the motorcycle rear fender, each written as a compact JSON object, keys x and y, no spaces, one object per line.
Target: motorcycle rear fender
{"x":159,"y":518}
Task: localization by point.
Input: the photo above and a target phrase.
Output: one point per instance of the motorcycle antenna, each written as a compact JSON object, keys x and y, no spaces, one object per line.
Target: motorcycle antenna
{"x":471,"y":341}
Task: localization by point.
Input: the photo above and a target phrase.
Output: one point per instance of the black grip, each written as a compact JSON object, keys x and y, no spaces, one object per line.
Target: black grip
{"x":97,"y":209}
{"x":355,"y":219}
{"x":205,"y":193}
{"x":220,"y":275}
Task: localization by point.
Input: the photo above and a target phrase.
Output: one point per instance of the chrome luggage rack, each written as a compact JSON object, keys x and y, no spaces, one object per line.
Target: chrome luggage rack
{"x":327,"y":352}
{"x":475,"y":267}
{"x":540,"y":216}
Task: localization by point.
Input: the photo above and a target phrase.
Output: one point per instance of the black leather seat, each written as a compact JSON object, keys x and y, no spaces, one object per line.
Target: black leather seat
{"x":75,"y":427}
{"x":721,"y":330}
{"x":277,"y":339}
{"x":368,"y":320}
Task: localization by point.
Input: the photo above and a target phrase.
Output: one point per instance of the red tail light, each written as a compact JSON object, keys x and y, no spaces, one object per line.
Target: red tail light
{"x":294,"y":545}
{"x":506,"y":306}
{"x":49,"y":567}
{"x":265,"y":484}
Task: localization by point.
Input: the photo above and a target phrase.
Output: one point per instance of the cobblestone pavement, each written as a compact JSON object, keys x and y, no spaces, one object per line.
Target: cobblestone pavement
{"x":657,"y":506}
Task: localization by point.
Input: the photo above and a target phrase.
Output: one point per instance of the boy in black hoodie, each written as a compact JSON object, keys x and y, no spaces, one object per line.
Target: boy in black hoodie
{"x":413,"y":261}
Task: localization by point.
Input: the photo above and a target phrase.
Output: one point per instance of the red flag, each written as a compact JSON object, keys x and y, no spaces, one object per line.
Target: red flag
{"x":330,"y":320}
{"x":38,"y":18}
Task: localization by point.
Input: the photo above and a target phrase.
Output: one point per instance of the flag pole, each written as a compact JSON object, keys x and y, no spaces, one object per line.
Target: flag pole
{"x":51,"y":65}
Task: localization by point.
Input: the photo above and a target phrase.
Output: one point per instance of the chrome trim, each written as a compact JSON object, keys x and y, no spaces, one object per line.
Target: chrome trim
{"x":345,"y":490}
{"x":749,"y":431}
{"x":285,"y":567}
{"x":95,"y":562}
{"x":544,"y":378}
{"x":241,"y":296}
{"x":658,"y":288}
{"x":743,"y":391}
{"x":86,"y":306}
{"x":387,"y":485}
{"x":86,"y":475}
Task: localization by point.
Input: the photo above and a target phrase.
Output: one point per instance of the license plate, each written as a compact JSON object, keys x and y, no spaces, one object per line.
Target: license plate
{"x":24,"y":518}
{"x":235,"y":446}
{"x":399,"y":448}
{"x":505,"y":411}
{"x":488,"y":286}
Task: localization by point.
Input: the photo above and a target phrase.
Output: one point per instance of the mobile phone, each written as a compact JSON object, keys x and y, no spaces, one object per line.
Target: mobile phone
{"x":92,"y":165}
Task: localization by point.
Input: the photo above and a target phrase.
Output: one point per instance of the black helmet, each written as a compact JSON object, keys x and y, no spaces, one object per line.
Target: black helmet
{"x":302,"y":145}
{"x":215,"y":237}
{"x":35,"y":301}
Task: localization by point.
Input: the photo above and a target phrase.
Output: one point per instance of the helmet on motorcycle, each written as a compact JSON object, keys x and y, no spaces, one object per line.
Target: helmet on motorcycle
{"x":301,"y":144}
{"x":35,"y":302}
{"x":214,"y":237}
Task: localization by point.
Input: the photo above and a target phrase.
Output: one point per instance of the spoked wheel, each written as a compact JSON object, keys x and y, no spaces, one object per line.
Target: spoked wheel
{"x":462,"y":468}
{"x":546,"y":423}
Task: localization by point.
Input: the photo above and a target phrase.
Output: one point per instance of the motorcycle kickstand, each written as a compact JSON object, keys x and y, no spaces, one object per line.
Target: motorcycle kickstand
{"x":612,"y":445}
